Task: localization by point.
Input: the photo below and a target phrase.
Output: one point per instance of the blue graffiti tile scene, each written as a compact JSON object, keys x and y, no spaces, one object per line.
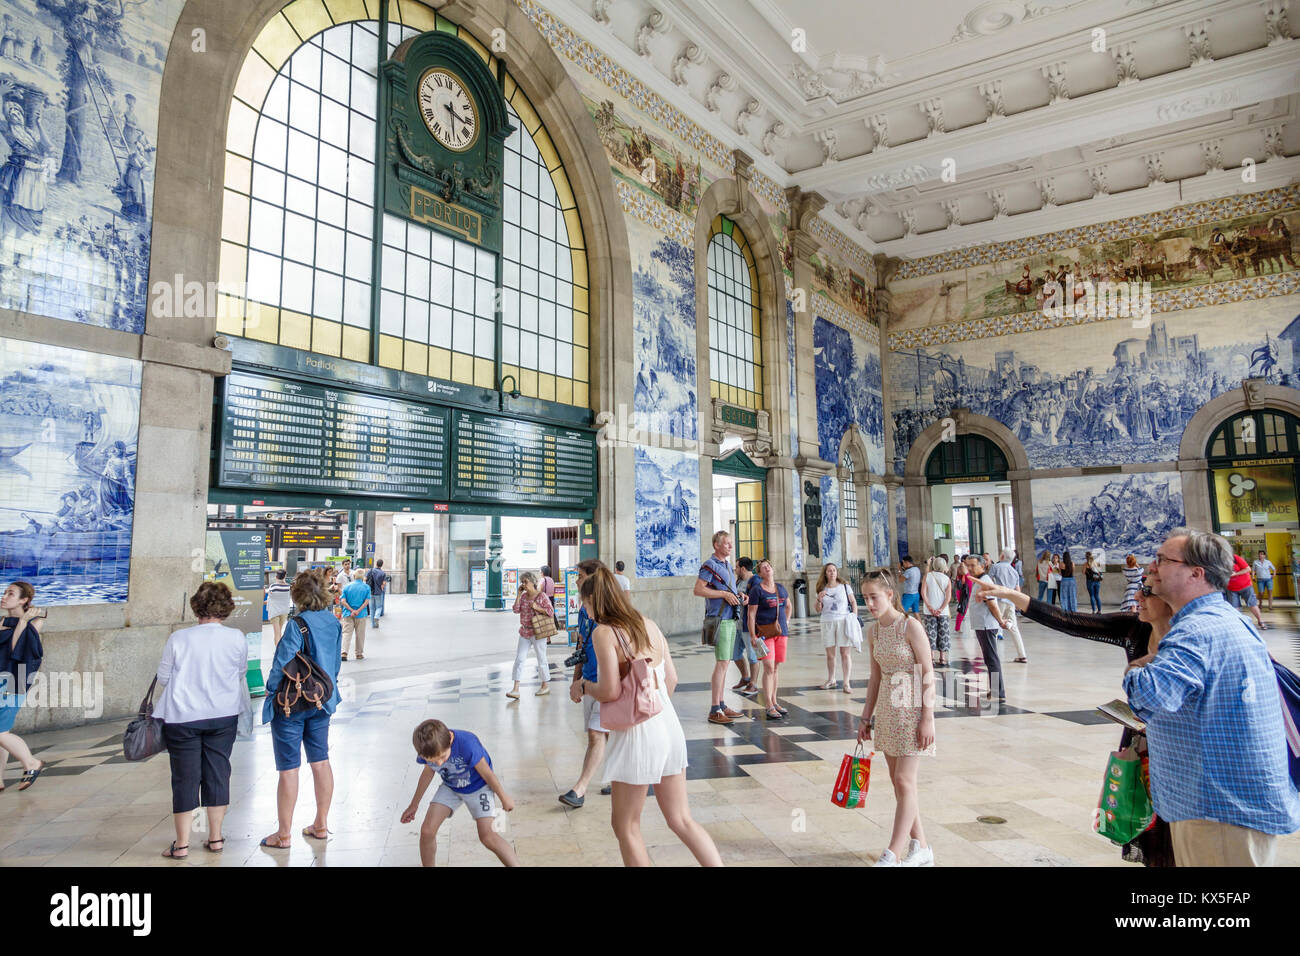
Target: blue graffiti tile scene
{"x":79,"y":85}
{"x":663,"y":306}
{"x":1120,"y":514}
{"x":880,"y":526}
{"x":849,"y":392}
{"x":68,"y":427}
{"x":667,"y":512}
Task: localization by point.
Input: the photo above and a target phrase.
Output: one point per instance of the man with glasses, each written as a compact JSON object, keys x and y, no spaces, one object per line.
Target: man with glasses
{"x":1209,"y":697}
{"x":716,"y":583}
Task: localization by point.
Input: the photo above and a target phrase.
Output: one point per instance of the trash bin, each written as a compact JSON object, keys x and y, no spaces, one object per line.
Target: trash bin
{"x":800,"y":597}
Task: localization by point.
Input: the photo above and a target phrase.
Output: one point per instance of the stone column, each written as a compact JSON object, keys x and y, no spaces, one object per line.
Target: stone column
{"x":437,"y":541}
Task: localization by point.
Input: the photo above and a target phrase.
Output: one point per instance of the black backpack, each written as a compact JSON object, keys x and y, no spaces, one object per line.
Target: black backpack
{"x":305,"y":687}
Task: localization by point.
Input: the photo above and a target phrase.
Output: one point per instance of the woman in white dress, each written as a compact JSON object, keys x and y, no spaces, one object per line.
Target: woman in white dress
{"x":652,"y":752}
{"x":836,"y":604}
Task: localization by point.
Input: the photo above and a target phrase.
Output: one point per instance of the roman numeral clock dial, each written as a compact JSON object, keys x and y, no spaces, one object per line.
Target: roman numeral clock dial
{"x":448,"y":109}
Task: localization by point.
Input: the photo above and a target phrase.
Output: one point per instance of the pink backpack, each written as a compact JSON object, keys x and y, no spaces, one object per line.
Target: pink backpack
{"x":638,"y":698}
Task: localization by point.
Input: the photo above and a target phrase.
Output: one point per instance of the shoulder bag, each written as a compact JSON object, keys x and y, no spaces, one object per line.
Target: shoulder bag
{"x":305,"y":688}
{"x":773,"y":629}
{"x":143,"y":736}
{"x":543,"y":623}
{"x":638,"y":698}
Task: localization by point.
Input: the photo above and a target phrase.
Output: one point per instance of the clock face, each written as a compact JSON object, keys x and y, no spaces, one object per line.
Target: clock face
{"x":448,"y":109}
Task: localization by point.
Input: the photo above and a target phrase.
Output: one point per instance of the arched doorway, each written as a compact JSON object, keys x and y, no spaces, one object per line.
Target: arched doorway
{"x":1252,"y":468}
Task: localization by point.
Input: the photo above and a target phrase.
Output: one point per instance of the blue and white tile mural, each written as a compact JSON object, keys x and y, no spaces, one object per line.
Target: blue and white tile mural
{"x":1120,"y":514}
{"x":663,"y":322}
{"x":880,"y":526}
{"x":849,"y":392}
{"x":831,"y":539}
{"x":794,"y":391}
{"x":900,"y":521}
{"x":79,"y":87}
{"x":667,"y":512}
{"x":1131,"y":408}
{"x":68,"y":427}
{"x":796,"y":495}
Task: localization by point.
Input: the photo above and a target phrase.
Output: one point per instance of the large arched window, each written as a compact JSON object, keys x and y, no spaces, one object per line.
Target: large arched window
{"x":299,"y":224}
{"x":1255,"y":433}
{"x":849,"y":494}
{"x":735,"y":351}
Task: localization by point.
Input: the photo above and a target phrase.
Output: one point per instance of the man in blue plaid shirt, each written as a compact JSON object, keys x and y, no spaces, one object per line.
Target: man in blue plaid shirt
{"x":1214,"y":718}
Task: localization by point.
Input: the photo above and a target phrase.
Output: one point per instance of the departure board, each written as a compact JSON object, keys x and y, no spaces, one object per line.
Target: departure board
{"x":507,"y":461}
{"x":298,"y":436}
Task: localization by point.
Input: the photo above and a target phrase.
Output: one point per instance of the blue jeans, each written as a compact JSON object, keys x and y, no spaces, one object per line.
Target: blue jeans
{"x":1069,"y":595}
{"x":377,"y":603}
{"x":1042,"y":589}
{"x":1094,"y":594}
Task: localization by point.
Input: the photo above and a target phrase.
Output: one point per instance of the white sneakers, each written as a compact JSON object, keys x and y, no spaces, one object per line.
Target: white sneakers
{"x":917,"y":855}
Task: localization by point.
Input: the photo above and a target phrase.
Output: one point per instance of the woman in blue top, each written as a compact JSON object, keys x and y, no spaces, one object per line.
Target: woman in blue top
{"x":767,"y":622}
{"x":307,"y":729}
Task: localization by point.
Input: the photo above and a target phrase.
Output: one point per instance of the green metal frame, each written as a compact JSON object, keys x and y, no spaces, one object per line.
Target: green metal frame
{"x":737,"y":464}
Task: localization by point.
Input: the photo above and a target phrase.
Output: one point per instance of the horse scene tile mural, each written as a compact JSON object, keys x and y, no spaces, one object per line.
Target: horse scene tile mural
{"x":667,"y":512}
{"x":849,"y":392}
{"x":68,"y":434}
{"x":1132,"y":409}
{"x":1120,"y":514}
{"x":79,"y":85}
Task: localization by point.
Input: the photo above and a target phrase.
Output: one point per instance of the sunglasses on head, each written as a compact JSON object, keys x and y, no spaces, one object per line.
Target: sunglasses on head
{"x":1146,"y":589}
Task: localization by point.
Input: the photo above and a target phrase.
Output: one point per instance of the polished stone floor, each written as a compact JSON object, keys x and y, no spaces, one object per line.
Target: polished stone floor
{"x":761,"y":788}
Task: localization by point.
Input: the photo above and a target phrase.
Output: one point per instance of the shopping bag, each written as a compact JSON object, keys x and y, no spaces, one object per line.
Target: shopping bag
{"x":724,"y":640}
{"x":1125,"y":809}
{"x":851,"y":783}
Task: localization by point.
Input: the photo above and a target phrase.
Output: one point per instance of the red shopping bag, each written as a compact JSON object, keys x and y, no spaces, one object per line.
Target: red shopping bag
{"x":851,"y":784}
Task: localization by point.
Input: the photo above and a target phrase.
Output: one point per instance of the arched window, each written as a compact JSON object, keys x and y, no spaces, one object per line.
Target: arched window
{"x":849,"y":492}
{"x":735,"y":351}
{"x":299,"y":224}
{"x":970,"y":457}
{"x":1254,"y":433}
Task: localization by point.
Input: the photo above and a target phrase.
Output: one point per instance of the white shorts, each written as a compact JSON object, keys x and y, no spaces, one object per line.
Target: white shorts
{"x":835,"y":632}
{"x":591,"y":714}
{"x":479,"y":802}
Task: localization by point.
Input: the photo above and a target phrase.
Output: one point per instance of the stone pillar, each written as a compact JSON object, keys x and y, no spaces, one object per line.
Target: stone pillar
{"x":437,"y":542}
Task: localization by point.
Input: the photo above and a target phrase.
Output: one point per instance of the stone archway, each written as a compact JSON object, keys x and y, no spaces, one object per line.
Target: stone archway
{"x":962,"y":421}
{"x":1254,"y":394}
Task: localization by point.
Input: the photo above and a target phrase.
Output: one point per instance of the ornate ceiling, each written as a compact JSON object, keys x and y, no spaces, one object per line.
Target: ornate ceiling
{"x":945,"y":123}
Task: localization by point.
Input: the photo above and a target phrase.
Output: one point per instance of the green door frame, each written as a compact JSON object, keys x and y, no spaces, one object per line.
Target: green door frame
{"x":737,"y":464}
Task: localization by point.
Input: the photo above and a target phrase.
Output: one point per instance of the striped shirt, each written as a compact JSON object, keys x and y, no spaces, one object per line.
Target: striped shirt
{"x":1214,"y":723}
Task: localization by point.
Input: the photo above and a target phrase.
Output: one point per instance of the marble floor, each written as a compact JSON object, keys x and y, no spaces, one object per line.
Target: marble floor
{"x":1011,"y":788}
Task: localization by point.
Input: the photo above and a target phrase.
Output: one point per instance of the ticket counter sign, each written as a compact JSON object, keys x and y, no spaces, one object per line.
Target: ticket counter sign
{"x":1256,"y":494}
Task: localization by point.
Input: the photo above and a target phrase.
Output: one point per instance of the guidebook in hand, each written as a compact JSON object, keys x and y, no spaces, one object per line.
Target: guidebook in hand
{"x":1120,"y":712}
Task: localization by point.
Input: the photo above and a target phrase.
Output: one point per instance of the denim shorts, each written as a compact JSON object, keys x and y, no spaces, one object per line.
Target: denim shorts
{"x":912,"y":602}
{"x":289,"y":735}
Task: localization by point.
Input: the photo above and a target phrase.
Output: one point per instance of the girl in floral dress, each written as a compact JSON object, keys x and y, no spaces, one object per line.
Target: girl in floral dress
{"x":899,"y":713}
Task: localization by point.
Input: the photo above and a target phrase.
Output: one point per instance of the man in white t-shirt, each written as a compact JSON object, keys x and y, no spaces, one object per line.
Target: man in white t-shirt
{"x":344,"y":577}
{"x":278,"y":604}
{"x":986,"y":619}
{"x":623,"y":582}
{"x":1005,"y":574}
{"x":1264,"y":571}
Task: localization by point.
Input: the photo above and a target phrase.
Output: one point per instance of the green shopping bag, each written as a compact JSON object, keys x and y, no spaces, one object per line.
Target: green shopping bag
{"x":724,"y":640}
{"x":1125,"y":809}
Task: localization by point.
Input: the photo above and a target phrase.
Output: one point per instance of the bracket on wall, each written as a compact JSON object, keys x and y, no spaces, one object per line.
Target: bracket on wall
{"x":1251,"y":390}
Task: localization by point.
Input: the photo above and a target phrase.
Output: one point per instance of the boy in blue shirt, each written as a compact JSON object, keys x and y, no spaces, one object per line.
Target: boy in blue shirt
{"x":467,"y":777}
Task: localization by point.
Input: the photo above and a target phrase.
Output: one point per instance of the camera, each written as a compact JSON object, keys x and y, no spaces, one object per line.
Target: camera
{"x":577,"y":657}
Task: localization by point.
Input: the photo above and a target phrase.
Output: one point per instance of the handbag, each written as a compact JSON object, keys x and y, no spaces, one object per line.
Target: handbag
{"x":638,"y":698}
{"x":305,"y":686}
{"x":853,"y":779}
{"x":143,"y":736}
{"x":1124,"y":809}
{"x":774,"y":629}
{"x":724,"y":639}
{"x":543,"y":626}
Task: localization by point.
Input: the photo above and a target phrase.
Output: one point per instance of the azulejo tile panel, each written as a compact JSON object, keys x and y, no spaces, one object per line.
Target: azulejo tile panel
{"x":1118,"y":514}
{"x":847,"y":375}
{"x":880,"y":526}
{"x":832,"y":540}
{"x":667,"y":512}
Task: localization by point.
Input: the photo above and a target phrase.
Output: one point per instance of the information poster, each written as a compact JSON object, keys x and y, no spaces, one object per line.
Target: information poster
{"x":574,"y":602}
{"x":1261,"y":493}
{"x":510,"y":582}
{"x":477,"y":587}
{"x":236,"y":559}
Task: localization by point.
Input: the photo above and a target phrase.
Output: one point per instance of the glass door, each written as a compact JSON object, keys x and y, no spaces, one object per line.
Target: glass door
{"x":751,"y":519}
{"x":414,"y":561}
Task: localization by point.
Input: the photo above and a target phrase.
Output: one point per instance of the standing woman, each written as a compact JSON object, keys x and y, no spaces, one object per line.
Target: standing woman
{"x":1069,"y":587}
{"x":936,"y":592}
{"x":767,"y":623}
{"x":529,"y":602}
{"x":203,"y":668}
{"x":1132,"y":582}
{"x":903,"y":728}
{"x":1092,"y":569}
{"x":653,"y":752}
{"x":961,"y":591}
{"x":308,"y":729}
{"x":836,"y":604}
{"x":20,"y":656}
{"x":1044,"y":573}
{"x":1054,"y":579}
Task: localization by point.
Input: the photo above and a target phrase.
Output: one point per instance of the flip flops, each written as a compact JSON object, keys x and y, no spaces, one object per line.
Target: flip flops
{"x":30,"y":776}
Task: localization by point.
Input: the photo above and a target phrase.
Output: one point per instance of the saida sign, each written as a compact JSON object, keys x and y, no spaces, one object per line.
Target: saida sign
{"x":1244,"y":493}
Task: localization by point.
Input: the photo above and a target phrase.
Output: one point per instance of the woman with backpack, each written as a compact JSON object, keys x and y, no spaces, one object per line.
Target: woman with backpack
{"x":836,"y":604}
{"x":203,"y":670}
{"x":20,"y":656}
{"x":767,"y":623}
{"x":646,"y":744}
{"x":316,"y":636}
{"x":1092,"y":570}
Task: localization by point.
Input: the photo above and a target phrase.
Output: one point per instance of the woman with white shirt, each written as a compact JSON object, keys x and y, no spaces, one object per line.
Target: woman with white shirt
{"x":204,"y":670}
{"x":936,"y":593}
{"x":836,"y":604}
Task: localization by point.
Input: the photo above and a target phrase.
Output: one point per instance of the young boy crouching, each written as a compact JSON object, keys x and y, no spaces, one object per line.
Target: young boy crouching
{"x":467,"y":777}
